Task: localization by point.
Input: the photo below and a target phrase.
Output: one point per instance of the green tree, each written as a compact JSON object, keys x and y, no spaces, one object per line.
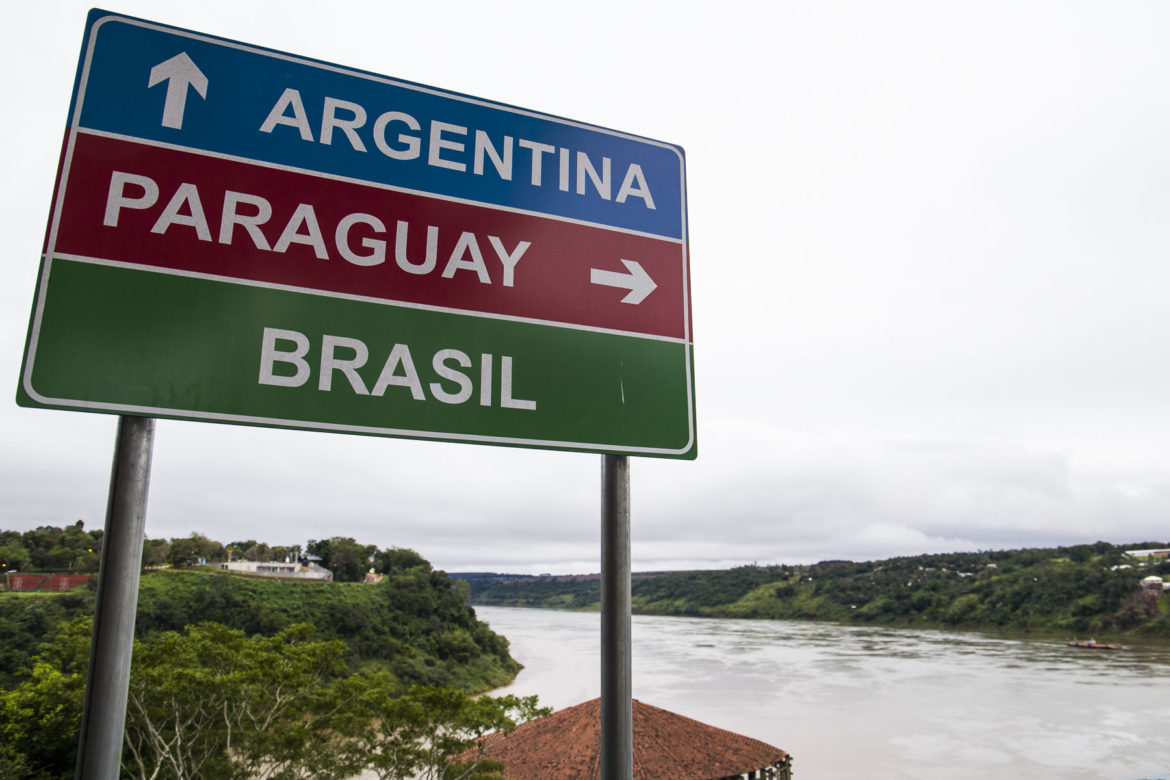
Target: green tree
{"x":281,"y":553}
{"x":213,"y":702}
{"x":251,"y":550}
{"x":13,"y":763}
{"x":40,"y":721}
{"x":193,"y":549}
{"x":13,"y":557}
{"x":426,"y":733}
{"x":155,"y":553}
{"x":396,"y":559}
{"x":49,"y":548}
{"x":348,"y":560}
{"x":40,"y":718}
{"x":87,"y":561}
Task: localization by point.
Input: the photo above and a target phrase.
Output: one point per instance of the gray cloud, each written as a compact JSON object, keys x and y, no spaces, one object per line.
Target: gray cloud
{"x":928,"y":278}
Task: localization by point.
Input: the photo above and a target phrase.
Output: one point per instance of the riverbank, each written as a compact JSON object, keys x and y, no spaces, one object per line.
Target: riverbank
{"x":1076,"y":591}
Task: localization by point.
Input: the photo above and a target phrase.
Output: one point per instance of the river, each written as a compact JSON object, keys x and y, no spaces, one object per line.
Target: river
{"x":856,"y":702}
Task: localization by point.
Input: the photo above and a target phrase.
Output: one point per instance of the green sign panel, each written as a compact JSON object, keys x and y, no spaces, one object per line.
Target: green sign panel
{"x":275,"y":357}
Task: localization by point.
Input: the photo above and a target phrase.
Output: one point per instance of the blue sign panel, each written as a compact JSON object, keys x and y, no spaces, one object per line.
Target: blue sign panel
{"x":295,"y":112}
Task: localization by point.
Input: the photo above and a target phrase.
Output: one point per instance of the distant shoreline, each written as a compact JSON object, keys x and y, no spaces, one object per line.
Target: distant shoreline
{"x":1087,"y":590}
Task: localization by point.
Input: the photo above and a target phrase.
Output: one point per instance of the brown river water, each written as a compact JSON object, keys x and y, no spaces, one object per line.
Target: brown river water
{"x":852,"y":702}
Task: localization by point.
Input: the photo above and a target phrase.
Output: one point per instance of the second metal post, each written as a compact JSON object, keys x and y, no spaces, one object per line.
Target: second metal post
{"x":617,"y":716}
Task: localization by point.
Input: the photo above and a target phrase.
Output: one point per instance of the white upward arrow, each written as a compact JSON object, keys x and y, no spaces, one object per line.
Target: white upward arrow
{"x":636,"y":280}
{"x":179,"y":72}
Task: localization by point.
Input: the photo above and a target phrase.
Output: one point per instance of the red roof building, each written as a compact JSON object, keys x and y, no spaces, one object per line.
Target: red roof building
{"x":566,"y":745}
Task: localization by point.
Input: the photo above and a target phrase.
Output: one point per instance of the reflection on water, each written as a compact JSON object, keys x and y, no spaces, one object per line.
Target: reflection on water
{"x":875,"y":702}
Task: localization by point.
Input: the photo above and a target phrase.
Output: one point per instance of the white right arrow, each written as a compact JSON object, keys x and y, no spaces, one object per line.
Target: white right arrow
{"x":636,"y":280}
{"x":179,"y":72}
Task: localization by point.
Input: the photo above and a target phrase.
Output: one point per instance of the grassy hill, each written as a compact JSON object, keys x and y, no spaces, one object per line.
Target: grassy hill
{"x":416,"y":624}
{"x":1075,"y":590}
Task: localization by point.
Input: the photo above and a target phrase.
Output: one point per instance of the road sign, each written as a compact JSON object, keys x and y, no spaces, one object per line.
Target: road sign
{"x":247,"y":236}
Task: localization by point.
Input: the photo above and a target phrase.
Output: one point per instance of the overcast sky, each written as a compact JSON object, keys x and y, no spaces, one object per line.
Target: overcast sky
{"x":930,"y":264}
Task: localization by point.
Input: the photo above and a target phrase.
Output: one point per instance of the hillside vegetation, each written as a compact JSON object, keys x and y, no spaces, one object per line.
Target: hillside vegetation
{"x":73,"y":549}
{"x":1086,"y":589}
{"x":416,"y":624}
{"x":241,"y":678}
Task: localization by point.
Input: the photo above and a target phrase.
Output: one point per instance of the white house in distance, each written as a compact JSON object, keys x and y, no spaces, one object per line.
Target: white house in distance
{"x":306,"y":568}
{"x":1148,"y":554}
{"x":1155,"y":584}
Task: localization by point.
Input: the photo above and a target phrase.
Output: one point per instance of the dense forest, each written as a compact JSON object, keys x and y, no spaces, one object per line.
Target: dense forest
{"x":415,"y":624}
{"x":1075,"y":590}
{"x":309,"y":678}
{"x":49,"y":548}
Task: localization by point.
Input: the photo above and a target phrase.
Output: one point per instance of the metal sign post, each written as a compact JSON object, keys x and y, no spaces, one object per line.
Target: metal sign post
{"x":103,"y":716}
{"x":617,"y":715}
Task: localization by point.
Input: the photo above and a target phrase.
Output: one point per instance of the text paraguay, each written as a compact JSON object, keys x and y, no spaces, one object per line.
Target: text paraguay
{"x":252,"y":214}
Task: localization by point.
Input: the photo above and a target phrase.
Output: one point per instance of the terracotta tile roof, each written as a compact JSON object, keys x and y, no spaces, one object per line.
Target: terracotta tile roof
{"x":566,"y":745}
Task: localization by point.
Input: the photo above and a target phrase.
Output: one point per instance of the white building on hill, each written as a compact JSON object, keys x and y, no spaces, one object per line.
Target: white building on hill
{"x":306,"y":568}
{"x":1162,"y":553}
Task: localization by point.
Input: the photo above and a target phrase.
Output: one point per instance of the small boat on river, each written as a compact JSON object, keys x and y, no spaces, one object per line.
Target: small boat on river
{"x":1092,"y":644}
